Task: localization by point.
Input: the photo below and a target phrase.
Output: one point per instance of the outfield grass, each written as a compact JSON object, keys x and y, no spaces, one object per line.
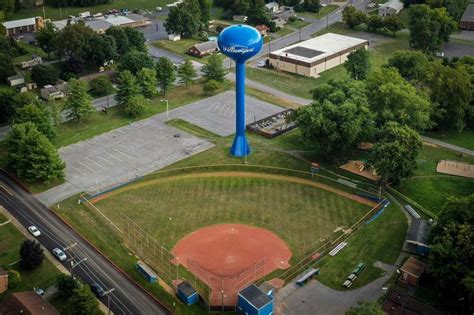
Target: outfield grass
{"x":322,"y":12}
{"x":10,"y":242}
{"x":464,"y":139}
{"x":368,"y":245}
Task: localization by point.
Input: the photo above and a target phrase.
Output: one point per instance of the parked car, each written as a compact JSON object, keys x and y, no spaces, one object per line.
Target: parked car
{"x":439,"y":54}
{"x":300,"y":18}
{"x":98,"y":290}
{"x":159,"y":8}
{"x":34,"y":231}
{"x":38,"y":291}
{"x":261,"y":63}
{"x":59,"y":254}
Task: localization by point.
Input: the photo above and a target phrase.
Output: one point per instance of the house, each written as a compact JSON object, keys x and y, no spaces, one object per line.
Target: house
{"x":27,"y":303}
{"x":411,"y":271}
{"x":467,"y":20}
{"x":240,"y":18}
{"x":417,"y":237}
{"x":3,"y":280}
{"x":203,"y":49}
{"x":279,"y":22}
{"x":29,"y":25}
{"x":263,"y":30}
{"x":16,"y":80}
{"x":54,"y":92}
{"x":392,"y":7}
{"x":174,"y":37}
{"x":272,"y":7}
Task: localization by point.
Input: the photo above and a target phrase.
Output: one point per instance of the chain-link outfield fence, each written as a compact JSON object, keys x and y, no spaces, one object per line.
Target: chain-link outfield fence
{"x":218,"y":292}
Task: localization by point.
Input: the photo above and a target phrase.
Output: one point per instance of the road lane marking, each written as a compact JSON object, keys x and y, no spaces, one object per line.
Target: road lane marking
{"x":8,"y":191}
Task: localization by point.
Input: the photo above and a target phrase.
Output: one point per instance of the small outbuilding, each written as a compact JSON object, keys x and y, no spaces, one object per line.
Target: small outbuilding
{"x":253,"y":301}
{"x":392,"y":7}
{"x":174,"y":37}
{"x":16,"y":80}
{"x":187,"y":293}
{"x":417,"y":237}
{"x":412,"y":270}
{"x":263,"y":30}
{"x":467,"y":20}
{"x":272,"y":7}
{"x":203,"y":49}
{"x":240,"y":18}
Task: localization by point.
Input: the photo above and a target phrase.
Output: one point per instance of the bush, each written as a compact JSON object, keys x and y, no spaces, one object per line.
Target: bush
{"x":14,"y":279}
{"x":210,"y":87}
{"x":31,"y":254}
{"x":292,"y":19}
{"x":66,"y":285}
{"x":135,"y":106}
{"x":100,"y":86}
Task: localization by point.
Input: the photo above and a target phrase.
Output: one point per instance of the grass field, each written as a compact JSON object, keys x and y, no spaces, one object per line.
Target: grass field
{"x":464,"y":139}
{"x":179,"y":47}
{"x":10,"y":242}
{"x":322,"y":12}
{"x":301,"y":214}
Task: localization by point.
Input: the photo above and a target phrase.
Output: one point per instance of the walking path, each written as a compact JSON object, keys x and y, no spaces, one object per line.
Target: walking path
{"x":448,"y":146}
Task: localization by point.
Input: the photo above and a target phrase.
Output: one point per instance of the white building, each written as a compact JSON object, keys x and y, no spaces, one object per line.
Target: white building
{"x":392,"y":7}
{"x":316,"y":55}
{"x":28,"y":25}
{"x":272,"y":7}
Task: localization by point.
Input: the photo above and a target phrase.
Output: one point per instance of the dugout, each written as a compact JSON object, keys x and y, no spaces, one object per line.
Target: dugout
{"x":187,"y":293}
{"x":146,"y":271}
{"x":253,"y":301}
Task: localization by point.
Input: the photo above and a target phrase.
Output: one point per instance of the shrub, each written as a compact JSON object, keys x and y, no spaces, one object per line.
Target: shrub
{"x":210,"y":87}
{"x":135,"y":106}
{"x":14,"y":279}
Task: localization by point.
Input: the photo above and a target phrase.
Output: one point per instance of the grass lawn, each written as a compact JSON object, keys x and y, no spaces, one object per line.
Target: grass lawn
{"x":10,"y":242}
{"x":464,"y":139}
{"x":298,"y":24}
{"x":367,"y":245}
{"x":322,"y":12}
{"x":284,"y":31}
{"x":31,"y":50}
{"x":57,"y":13}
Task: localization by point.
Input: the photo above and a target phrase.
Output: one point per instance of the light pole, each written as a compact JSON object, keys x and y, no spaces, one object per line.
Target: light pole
{"x":108,"y":297}
{"x":74,"y":265}
{"x":167,"y":109}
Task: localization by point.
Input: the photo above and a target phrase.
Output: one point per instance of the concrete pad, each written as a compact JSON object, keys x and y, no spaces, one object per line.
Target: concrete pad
{"x":217,"y":113}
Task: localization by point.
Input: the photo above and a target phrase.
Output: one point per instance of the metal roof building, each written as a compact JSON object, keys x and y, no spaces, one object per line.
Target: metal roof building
{"x":467,"y":20}
{"x":313,"y":56}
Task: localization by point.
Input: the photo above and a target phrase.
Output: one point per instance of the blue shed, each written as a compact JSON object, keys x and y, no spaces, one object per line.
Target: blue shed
{"x":186,"y":293}
{"x":253,"y":301}
{"x":418,"y":236}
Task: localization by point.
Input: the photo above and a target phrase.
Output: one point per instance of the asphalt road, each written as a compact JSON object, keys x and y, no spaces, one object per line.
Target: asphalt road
{"x":127,"y":297}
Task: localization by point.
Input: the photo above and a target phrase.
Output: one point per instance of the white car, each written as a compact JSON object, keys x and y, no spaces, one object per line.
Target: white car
{"x":59,"y":254}
{"x":34,"y":231}
{"x":261,"y":63}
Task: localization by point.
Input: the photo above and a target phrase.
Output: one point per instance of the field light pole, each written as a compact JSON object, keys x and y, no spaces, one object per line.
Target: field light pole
{"x":167,"y":109}
{"x":240,"y":42}
{"x":108,"y":298}
{"x":74,"y":265}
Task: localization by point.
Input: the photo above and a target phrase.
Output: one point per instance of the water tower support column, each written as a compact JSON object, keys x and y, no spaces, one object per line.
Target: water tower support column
{"x":240,"y":146}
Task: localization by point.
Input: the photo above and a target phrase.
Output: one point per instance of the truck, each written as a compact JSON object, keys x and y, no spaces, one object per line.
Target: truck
{"x":36,"y":60}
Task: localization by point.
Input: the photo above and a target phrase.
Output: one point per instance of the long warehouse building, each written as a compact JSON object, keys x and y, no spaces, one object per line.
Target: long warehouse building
{"x":316,"y":55}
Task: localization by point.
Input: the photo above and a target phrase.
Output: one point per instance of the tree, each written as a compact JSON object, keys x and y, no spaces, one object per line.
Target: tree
{"x":147,"y":81}
{"x":135,"y":106}
{"x":121,"y":39}
{"x":31,"y":255}
{"x":392,"y":98}
{"x":79,"y":102}
{"x":452,"y":243}
{"x":214,"y":69}
{"x":338,"y":118}
{"x":394,"y":154}
{"x":24,"y":98}
{"x":6,"y":67}
{"x":375,"y":23}
{"x":100,"y":86}
{"x":136,"y":39}
{"x":31,"y":155}
{"x":127,"y":88}
{"x":451,"y":94}
{"x":353,"y":17}
{"x":429,"y":28}
{"x":358,"y":64}
{"x":366,"y":308}
{"x":411,"y":65}
{"x":258,"y":15}
{"x":165,"y":73}
{"x":72,"y":67}
{"x":210,"y":87}
{"x":205,"y":6}
{"x":46,"y":38}
{"x":83,"y":301}
{"x":14,"y":278}
{"x":454,"y":7}
{"x":7,"y":105}
{"x":134,"y":61}
{"x":66,"y":284}
{"x":74,"y":41}
{"x":311,"y":5}
{"x":184,"y":19}
{"x":186,"y":72}
{"x":44,"y":74}
{"x":104,"y":50}
{"x":38,"y":114}
{"x":393,"y":24}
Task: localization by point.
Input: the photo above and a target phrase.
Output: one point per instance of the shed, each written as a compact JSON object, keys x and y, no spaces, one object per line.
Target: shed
{"x":3,"y":280}
{"x":253,"y":301}
{"x":240,"y":18}
{"x":412,"y":270}
{"x":187,"y":293}
{"x":272,"y":7}
{"x":417,"y":237}
{"x":203,"y":49}
{"x":467,"y":20}
{"x":174,"y":37}
{"x":392,"y":7}
{"x":16,"y":80}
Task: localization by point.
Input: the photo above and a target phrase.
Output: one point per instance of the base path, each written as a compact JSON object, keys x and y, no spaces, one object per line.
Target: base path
{"x":228,"y":257}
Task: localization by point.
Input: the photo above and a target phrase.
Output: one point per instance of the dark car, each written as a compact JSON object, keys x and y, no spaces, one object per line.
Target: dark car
{"x":98,"y":290}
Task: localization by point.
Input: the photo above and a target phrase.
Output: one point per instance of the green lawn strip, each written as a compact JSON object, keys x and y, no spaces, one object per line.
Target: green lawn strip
{"x":192,"y":129}
{"x":283,"y":102}
{"x":298,"y":24}
{"x":381,"y":240}
{"x":464,"y":139}
{"x":10,"y":243}
{"x":284,"y":31}
{"x":322,"y":12}
{"x":58,"y":14}
{"x":180,"y":47}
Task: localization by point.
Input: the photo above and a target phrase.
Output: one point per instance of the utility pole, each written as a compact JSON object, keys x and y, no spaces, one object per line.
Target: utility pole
{"x":74,"y":265}
{"x":167,"y":109}
{"x":108,"y":297}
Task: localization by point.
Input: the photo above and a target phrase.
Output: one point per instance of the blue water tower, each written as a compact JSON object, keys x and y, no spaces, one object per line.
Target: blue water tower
{"x":240,"y":42}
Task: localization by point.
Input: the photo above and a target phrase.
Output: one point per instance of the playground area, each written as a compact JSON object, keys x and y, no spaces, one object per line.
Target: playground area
{"x":455,"y":168}
{"x":360,"y":168}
